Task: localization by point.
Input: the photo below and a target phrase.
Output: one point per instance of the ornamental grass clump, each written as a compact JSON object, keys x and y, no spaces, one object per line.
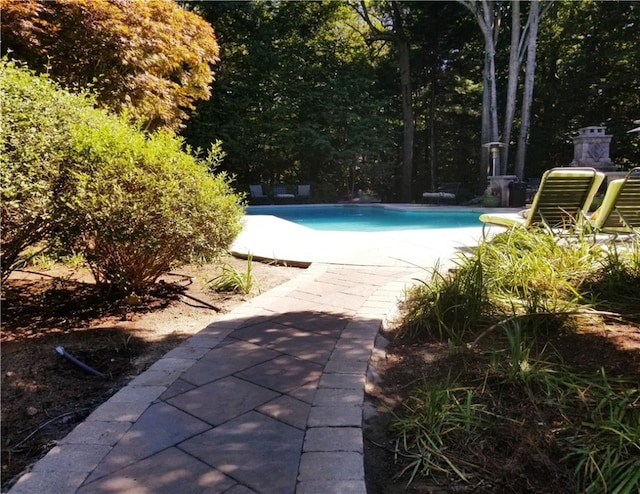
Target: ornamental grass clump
{"x":617,"y":281}
{"x":528,"y":272}
{"x":510,"y":408}
{"x":430,"y":423}
{"x":467,"y":430}
{"x":603,"y":445}
{"x":447,"y":307}
{"x":233,"y":280}
{"x":517,"y":273}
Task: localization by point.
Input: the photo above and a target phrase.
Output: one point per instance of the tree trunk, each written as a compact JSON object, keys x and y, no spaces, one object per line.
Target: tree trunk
{"x":490,"y":30}
{"x":485,"y":133}
{"x":527,"y":98}
{"x":407,"y":106}
{"x":489,"y":25}
{"x":433,"y":164}
{"x":398,"y":37}
{"x":512,"y":85}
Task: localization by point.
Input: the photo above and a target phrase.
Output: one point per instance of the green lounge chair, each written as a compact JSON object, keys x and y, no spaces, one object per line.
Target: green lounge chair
{"x":560,"y":204}
{"x":619,"y":213}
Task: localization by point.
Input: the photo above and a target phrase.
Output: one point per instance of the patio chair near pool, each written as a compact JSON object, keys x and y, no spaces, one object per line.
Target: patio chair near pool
{"x":560,"y":205}
{"x":304,"y":193}
{"x":445,"y":194}
{"x":280,"y":194}
{"x":257,"y":195}
{"x":619,"y":213}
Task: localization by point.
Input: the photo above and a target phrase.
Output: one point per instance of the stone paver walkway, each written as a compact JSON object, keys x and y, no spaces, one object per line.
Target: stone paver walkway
{"x":267,"y":399}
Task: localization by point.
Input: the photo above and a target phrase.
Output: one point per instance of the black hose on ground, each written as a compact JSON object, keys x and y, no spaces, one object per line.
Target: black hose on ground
{"x":61,"y":351}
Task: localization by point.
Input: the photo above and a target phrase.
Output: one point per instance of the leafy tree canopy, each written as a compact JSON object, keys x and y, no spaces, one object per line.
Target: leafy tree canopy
{"x":295,"y":97}
{"x":151,"y":59}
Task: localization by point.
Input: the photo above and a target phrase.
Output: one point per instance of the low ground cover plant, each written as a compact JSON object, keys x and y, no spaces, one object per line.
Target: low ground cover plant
{"x":233,"y":280}
{"x":81,"y":180}
{"x":515,"y":399}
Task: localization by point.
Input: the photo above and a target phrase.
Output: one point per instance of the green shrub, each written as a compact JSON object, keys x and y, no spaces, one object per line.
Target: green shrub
{"x":34,"y":147}
{"x":138,"y":204}
{"x":134,"y":205}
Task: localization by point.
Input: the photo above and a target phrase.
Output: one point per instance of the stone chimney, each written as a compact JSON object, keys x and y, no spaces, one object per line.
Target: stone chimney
{"x":591,"y":148}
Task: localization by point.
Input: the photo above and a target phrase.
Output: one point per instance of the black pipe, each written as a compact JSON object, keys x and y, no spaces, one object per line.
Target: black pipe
{"x":82,"y":365}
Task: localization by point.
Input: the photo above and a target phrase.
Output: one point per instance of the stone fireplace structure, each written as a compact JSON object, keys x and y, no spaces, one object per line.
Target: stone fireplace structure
{"x":591,"y":148}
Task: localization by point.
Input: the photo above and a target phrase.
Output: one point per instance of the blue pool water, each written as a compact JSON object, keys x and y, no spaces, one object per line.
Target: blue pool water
{"x":373,"y":218}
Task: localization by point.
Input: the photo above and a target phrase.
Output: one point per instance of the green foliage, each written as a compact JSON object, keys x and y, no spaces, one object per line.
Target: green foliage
{"x":587,"y":52}
{"x":518,"y":351}
{"x":434,"y":418}
{"x":139,"y":204}
{"x":42,"y":257}
{"x":151,"y":59}
{"x":34,"y":150}
{"x":536,"y":273}
{"x":617,"y":282}
{"x":518,"y":272}
{"x":297,"y":100}
{"x":447,"y":307}
{"x":309,"y":94}
{"x":440,"y":430}
{"x":605,"y":445}
{"x":132,"y":204}
{"x":518,"y":383}
{"x":232,"y":280}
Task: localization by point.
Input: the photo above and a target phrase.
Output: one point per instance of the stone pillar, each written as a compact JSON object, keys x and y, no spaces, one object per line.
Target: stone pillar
{"x":499,"y":185}
{"x":591,"y":148}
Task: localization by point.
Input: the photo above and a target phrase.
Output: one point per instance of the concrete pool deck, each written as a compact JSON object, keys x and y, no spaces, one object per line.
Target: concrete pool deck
{"x":269,"y":237}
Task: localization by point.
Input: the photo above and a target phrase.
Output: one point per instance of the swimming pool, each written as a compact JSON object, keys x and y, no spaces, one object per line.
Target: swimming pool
{"x":370,"y":218}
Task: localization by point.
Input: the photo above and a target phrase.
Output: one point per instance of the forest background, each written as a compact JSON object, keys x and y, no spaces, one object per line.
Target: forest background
{"x":306,"y":92}
{"x":391,"y":97}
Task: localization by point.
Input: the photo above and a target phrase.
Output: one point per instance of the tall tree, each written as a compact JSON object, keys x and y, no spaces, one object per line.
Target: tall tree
{"x":515,"y":60}
{"x":488,"y":15}
{"x":445,"y":100}
{"x":295,"y":97}
{"x":152,"y":58}
{"x":587,"y":66}
{"x":527,"y":97}
{"x":395,"y":33}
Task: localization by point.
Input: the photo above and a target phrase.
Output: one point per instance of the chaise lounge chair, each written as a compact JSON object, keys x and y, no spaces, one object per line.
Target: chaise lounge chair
{"x":619,"y":213}
{"x":560,"y":204}
{"x":445,"y":194}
